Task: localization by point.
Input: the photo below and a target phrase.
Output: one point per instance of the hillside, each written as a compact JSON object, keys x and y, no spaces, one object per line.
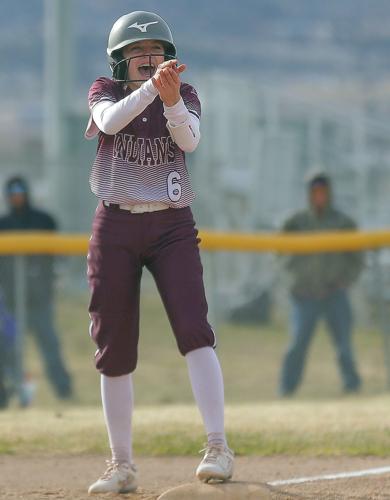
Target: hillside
{"x":287,"y":37}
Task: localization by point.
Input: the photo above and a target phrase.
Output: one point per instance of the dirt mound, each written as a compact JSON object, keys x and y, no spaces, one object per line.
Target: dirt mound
{"x":226,"y":491}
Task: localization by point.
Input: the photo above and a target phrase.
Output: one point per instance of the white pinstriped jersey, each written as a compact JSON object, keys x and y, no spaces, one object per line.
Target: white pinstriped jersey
{"x":141,"y":163}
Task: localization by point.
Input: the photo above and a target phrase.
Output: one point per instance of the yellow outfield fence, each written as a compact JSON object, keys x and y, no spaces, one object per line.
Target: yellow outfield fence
{"x":32,"y":242}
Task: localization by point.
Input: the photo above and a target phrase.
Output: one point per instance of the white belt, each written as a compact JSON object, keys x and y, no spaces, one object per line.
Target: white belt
{"x":139,"y":208}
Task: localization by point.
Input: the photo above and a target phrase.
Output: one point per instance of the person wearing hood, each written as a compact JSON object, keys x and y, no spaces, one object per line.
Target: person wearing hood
{"x":319,"y":285}
{"x":22,"y":216}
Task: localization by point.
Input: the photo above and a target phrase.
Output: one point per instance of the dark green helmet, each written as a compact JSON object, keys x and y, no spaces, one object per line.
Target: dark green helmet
{"x":134,"y":27}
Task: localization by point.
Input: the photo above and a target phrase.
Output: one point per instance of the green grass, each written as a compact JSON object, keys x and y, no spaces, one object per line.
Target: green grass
{"x":250,"y":357}
{"x":356,"y":426}
{"x":318,"y":421}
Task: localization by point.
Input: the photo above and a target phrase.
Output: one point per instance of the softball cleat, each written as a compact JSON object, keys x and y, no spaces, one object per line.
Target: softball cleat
{"x":217,"y":464}
{"x":118,"y":478}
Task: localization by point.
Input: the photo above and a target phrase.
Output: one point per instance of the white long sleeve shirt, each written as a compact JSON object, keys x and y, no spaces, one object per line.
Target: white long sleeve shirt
{"x":111,"y":117}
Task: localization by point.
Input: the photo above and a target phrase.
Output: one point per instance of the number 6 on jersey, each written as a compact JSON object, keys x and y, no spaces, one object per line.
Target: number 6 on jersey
{"x":174,"y":187}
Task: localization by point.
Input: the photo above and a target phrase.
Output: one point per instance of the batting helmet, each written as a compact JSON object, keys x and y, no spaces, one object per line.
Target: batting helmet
{"x":134,"y":27}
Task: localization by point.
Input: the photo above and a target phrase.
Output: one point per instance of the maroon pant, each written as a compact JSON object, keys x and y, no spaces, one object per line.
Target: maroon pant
{"x":123,"y":243}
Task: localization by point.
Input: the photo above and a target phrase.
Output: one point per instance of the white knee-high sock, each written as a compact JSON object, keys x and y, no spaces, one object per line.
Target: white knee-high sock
{"x":118,"y":402}
{"x":207,"y":385}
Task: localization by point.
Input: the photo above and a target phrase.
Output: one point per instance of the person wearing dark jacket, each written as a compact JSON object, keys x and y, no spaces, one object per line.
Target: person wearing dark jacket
{"x":319,"y":286}
{"x":3,"y":376}
{"x":39,"y":284}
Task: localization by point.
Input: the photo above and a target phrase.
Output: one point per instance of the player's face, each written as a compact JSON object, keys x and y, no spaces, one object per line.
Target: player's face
{"x":144,"y":57}
{"x":319,"y":197}
{"x":17,"y":200}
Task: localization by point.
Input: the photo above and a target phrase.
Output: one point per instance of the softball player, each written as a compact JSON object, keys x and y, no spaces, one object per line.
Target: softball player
{"x":146,"y":119}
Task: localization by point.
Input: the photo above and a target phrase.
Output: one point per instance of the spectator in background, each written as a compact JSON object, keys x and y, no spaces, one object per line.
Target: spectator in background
{"x":3,"y":360}
{"x":319,"y":288}
{"x":39,"y":283}
{"x":8,"y":362}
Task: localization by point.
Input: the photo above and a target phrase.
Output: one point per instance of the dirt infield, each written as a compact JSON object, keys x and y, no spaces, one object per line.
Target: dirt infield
{"x":67,"y":477}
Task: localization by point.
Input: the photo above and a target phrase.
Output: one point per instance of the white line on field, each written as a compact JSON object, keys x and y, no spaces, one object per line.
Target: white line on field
{"x":329,"y":477}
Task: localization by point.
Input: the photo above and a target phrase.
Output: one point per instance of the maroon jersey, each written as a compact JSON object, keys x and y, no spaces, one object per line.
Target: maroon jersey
{"x":141,"y":163}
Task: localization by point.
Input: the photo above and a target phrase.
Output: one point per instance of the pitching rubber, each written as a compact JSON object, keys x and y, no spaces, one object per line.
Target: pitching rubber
{"x":226,"y":491}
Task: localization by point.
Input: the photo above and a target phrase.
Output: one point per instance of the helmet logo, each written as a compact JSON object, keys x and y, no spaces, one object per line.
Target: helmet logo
{"x":142,"y":27}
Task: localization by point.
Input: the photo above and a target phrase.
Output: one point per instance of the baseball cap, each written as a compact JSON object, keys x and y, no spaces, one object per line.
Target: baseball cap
{"x":16,"y":185}
{"x":317,"y":178}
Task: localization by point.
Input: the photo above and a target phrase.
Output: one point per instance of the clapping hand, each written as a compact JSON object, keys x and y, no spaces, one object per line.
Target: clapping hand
{"x":167,"y":81}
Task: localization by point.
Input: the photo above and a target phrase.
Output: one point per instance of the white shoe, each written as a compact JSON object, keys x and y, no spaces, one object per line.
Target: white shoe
{"x":217,"y":464}
{"x":118,"y":478}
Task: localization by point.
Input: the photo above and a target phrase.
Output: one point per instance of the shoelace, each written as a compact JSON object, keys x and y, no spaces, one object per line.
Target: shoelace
{"x":114,"y":466}
{"x":111,"y":468}
{"x":211,"y":453}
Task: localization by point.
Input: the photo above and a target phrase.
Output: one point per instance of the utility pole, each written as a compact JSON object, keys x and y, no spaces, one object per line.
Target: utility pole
{"x":58,"y":80}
